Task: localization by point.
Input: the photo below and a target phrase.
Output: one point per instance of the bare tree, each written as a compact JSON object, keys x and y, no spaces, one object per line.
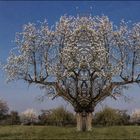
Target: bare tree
{"x":83,"y":60}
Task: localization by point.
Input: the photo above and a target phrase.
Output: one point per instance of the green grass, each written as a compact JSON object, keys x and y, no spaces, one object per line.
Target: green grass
{"x":52,"y":132}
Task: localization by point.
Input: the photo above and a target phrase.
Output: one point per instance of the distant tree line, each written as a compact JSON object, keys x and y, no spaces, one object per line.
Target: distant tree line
{"x":61,"y":117}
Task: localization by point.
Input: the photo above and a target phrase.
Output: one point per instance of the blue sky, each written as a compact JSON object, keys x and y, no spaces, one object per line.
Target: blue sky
{"x":14,"y":14}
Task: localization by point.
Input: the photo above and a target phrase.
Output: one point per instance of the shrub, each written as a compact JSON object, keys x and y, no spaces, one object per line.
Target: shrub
{"x":58,"y":116}
{"x":109,"y":116}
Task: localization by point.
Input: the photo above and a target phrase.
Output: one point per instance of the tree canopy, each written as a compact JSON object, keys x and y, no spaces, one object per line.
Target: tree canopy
{"x":83,"y":59}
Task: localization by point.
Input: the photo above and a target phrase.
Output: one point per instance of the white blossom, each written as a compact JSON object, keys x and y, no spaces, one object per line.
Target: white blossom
{"x":29,"y":116}
{"x":135,"y":116}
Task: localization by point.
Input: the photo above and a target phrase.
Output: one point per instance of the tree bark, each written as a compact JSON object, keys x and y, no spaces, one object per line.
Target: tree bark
{"x":79,"y":121}
{"x":84,"y":122}
{"x":89,"y":121}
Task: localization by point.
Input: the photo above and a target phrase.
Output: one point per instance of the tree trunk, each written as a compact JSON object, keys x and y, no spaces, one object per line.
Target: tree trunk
{"x":84,"y":121}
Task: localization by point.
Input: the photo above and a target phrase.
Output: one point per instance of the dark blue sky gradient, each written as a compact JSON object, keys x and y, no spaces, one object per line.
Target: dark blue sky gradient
{"x":14,"y":14}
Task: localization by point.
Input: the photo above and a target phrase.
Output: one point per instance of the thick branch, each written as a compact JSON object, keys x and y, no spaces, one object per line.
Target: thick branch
{"x":63,"y":93}
{"x":103,"y":93}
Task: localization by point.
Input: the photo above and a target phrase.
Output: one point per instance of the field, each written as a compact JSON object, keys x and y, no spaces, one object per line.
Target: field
{"x":52,"y":132}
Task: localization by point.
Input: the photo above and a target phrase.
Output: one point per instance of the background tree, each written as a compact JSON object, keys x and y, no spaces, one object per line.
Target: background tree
{"x":58,"y":116}
{"x":83,"y":59}
{"x":135,"y":117}
{"x":14,"y":118}
{"x":11,"y":118}
{"x":109,"y":116}
{"x":3,"y":110}
{"x":29,"y":116}
{"x":43,"y":117}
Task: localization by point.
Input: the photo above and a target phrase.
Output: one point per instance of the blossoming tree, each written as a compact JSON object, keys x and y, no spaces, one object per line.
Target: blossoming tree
{"x":84,"y":59}
{"x":29,"y":116}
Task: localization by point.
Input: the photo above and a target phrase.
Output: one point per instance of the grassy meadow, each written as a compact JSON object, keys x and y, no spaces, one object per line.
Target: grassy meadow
{"x":53,"y":132}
